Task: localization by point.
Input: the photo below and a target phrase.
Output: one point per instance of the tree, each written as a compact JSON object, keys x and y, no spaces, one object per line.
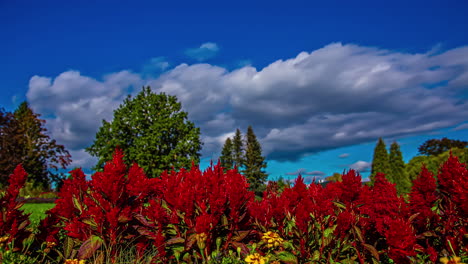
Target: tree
{"x":153,"y":131}
{"x":380,"y":162}
{"x":433,"y":163}
{"x":397,"y":168}
{"x":10,"y":150}
{"x":226,"y":155}
{"x":336,"y":177}
{"x":254,"y":162}
{"x":25,"y":140}
{"x":438,"y":146}
{"x":238,"y":149}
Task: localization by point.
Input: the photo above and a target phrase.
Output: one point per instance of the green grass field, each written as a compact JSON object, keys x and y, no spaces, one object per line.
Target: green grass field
{"x":37,"y":211}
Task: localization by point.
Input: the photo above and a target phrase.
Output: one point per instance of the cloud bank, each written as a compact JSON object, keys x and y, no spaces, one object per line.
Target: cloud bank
{"x":332,"y":97}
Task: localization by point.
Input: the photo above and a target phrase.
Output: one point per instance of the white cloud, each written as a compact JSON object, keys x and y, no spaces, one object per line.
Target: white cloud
{"x":206,"y":51}
{"x":461,"y":127}
{"x":361,"y":166}
{"x":332,"y":97}
{"x":344,"y":155}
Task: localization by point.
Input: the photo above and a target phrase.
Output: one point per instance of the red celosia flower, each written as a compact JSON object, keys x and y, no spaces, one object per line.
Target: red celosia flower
{"x":422,"y":198}
{"x":401,"y":240}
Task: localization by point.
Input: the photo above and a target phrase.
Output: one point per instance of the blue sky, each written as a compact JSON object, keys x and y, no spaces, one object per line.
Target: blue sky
{"x":318,"y":81}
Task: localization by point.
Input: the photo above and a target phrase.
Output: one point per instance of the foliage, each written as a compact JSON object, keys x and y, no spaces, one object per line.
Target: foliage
{"x":398,"y":171}
{"x":24,"y":140}
{"x":10,"y":152}
{"x":254,"y":163}
{"x":433,"y":163}
{"x":36,"y":212}
{"x":434,"y":147}
{"x":335,"y":177}
{"x":226,"y":159}
{"x":380,"y":161}
{"x":153,"y":131}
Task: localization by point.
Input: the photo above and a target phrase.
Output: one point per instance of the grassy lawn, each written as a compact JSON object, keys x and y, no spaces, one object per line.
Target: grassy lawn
{"x":37,"y":211}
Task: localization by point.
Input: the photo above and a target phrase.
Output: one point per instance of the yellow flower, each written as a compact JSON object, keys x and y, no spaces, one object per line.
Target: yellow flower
{"x":255,"y":259}
{"x":74,"y":261}
{"x":50,"y":244}
{"x":272,"y":239}
{"x":451,"y":260}
{"x":201,"y":239}
{"x":4,"y":238}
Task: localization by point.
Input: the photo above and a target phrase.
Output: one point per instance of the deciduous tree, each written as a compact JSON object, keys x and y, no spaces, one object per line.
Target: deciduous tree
{"x":25,"y":140}
{"x":438,"y":146}
{"x":153,"y":131}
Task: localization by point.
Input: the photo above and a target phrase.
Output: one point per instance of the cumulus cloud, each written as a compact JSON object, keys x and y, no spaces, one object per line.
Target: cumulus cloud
{"x":206,"y":51}
{"x":344,"y":155}
{"x":361,"y":166}
{"x":332,"y":97}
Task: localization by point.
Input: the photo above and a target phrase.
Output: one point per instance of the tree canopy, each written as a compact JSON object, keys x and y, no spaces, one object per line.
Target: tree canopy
{"x":24,"y":139}
{"x":433,"y":163}
{"x":153,"y":131}
{"x":439,"y":146}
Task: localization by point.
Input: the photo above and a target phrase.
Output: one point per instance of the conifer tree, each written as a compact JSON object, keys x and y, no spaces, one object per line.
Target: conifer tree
{"x":254,"y":163}
{"x":397,"y":168}
{"x":380,"y":162}
{"x":238,"y":150}
{"x":226,"y":155}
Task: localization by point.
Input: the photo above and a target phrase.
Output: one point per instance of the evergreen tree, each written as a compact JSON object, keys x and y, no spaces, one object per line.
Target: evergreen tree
{"x":226,"y":155}
{"x":238,"y":150}
{"x":254,"y":163}
{"x":398,"y":171}
{"x":380,"y":162}
{"x":153,"y":131}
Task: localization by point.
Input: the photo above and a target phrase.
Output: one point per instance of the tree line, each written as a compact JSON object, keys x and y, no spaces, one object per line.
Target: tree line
{"x":432,"y":154}
{"x":151,"y":129}
{"x":246,"y":156}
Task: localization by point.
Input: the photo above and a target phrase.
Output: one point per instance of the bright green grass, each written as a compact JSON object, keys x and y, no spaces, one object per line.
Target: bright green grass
{"x":37,"y":211}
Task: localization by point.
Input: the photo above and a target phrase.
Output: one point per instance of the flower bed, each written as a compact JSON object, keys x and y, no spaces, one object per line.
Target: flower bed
{"x":191,"y":216}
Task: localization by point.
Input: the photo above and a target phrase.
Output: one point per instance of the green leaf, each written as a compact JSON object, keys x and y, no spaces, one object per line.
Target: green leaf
{"x":89,"y":247}
{"x":358,"y":233}
{"x":77,"y":204}
{"x":329,"y":231}
{"x":68,"y":246}
{"x":89,"y":222}
{"x":287,"y":257}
